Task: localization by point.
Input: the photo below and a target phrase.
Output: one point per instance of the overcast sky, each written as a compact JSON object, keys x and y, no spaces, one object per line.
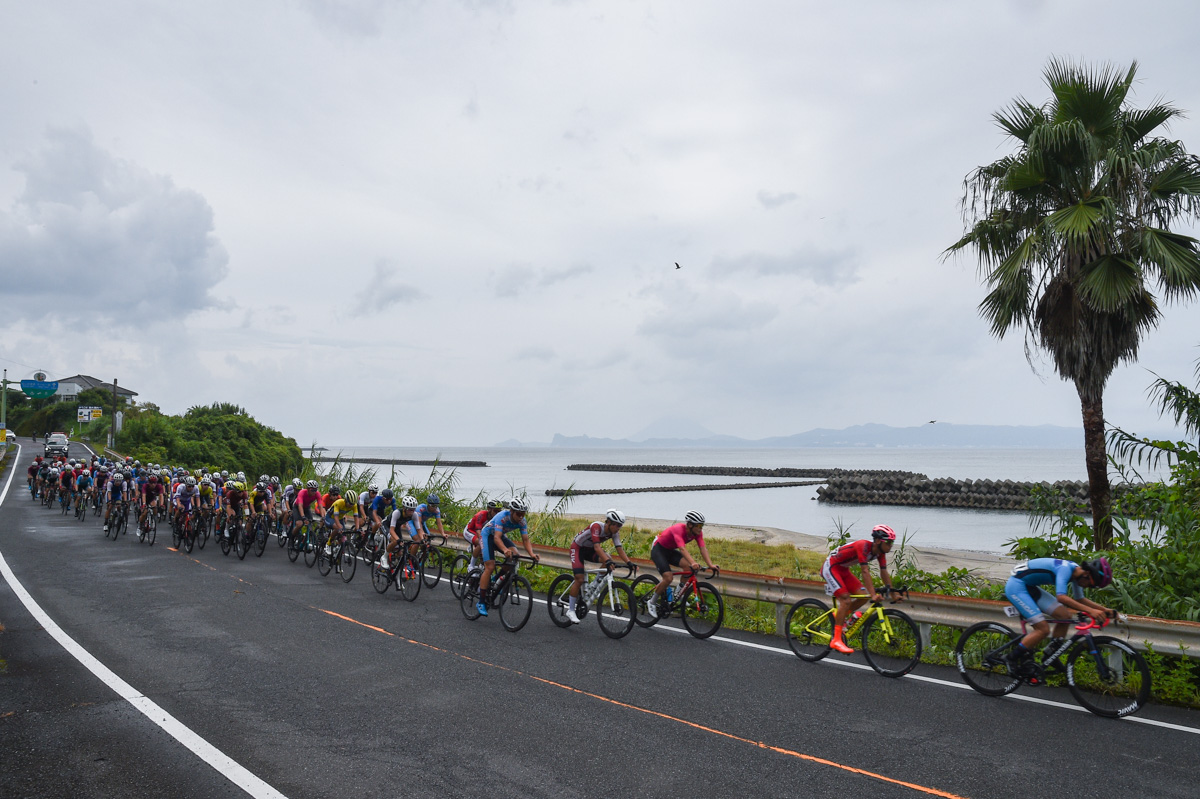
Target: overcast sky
{"x":456,"y":223}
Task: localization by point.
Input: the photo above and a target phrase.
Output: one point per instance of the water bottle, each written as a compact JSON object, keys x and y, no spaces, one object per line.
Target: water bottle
{"x":670,"y":594}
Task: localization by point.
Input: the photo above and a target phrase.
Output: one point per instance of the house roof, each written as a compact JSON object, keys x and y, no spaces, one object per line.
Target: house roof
{"x":87,"y":381}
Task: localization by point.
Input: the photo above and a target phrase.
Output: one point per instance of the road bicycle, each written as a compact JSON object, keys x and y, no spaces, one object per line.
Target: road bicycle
{"x":697,"y":602}
{"x":508,"y":591}
{"x":118,"y":520}
{"x":1105,"y":674}
{"x":81,"y":506}
{"x":431,"y":558}
{"x":611,"y":599}
{"x":891,"y":641}
{"x":64,"y":501}
{"x":148,"y":528}
{"x":403,"y":571}
{"x":460,"y":572}
{"x":303,"y":540}
{"x":337,"y":553}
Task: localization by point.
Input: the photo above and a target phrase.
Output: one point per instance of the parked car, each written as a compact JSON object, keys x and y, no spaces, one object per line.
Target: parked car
{"x":57,"y":444}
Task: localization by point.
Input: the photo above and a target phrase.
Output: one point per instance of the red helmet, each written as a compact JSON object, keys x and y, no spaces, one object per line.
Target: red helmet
{"x":881,"y":532}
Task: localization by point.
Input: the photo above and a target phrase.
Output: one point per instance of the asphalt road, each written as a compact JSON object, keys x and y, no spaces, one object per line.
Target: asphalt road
{"x":318,"y":687}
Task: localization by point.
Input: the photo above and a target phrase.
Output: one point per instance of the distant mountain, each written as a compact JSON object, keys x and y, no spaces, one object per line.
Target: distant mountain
{"x":939,"y":435}
{"x":672,"y":428}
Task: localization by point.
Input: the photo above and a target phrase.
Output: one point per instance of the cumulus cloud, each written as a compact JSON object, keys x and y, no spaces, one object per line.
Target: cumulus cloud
{"x":384,"y":289}
{"x":106,"y":238}
{"x":822,"y":267}
{"x":772,"y":200}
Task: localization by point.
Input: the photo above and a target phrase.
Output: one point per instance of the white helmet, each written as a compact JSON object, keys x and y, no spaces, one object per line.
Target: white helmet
{"x":694,"y":517}
{"x":615,"y":516}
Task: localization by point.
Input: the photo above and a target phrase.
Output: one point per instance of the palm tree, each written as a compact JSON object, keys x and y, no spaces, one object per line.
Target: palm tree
{"x":1072,"y":228}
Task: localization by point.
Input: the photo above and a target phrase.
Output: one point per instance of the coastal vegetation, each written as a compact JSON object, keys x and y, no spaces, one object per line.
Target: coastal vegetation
{"x":1072,"y":229}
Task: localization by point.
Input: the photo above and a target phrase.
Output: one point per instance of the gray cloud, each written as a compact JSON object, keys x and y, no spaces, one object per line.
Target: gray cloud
{"x":353,"y":17}
{"x":384,"y":289}
{"x":516,"y":278}
{"x":772,"y":200}
{"x":822,"y":267}
{"x":106,"y":238}
{"x":534,"y":354}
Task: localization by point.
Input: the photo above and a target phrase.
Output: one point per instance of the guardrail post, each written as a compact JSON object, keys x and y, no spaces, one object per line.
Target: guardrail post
{"x":781,"y":611}
{"x":925,"y":630}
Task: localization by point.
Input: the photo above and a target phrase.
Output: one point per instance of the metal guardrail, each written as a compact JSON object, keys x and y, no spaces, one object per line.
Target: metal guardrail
{"x":1165,"y":636}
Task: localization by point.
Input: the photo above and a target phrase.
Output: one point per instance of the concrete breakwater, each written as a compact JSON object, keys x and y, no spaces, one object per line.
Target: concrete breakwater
{"x":735,"y":471}
{"x":910,"y":488}
{"x":386,"y":462}
{"x":559,"y":492}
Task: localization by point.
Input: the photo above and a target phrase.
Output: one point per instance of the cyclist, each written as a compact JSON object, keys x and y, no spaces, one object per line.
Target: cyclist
{"x":471,"y":531}
{"x":364,"y":502}
{"x":343,"y":508}
{"x":208,"y":494}
{"x":260,"y":498}
{"x":152,"y":495}
{"x":670,"y":548}
{"x":586,"y":546}
{"x":306,"y":498}
{"x":1023,"y":589}
{"x":840,"y":583}
{"x":83,"y":483}
{"x":382,"y":507}
{"x":116,"y":491}
{"x":400,"y":519}
{"x":425,"y":511}
{"x":494,"y":537}
{"x":185,"y":495}
{"x":236,"y":500}
{"x":32,"y":472}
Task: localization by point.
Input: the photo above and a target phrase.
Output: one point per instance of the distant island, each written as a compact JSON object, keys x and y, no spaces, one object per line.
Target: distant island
{"x":934,"y":435}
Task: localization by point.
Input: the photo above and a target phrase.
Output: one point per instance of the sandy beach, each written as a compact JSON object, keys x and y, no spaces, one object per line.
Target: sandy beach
{"x":986,"y":564}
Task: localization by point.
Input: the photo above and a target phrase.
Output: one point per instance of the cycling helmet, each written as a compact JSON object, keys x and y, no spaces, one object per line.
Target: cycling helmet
{"x":241,"y":477}
{"x":615,"y":516}
{"x":297,"y":482}
{"x":694,"y":517}
{"x":432,"y":499}
{"x":154,"y":478}
{"x":103,"y":470}
{"x":373,"y":488}
{"x":263,"y":487}
{"x":409,"y":502}
{"x":224,"y":474}
{"x":72,"y":461}
{"x":205,"y":480}
{"x":335,"y":491}
{"x":495,"y":504}
{"x":275,"y":481}
{"x":311,"y":485}
{"x":881,"y":532}
{"x":387,"y":493}
{"x":118,"y":478}
{"x":137,"y":463}
{"x":1100,"y":571}
{"x":519,"y":505}
{"x":264,"y":478}
{"x":191,"y":480}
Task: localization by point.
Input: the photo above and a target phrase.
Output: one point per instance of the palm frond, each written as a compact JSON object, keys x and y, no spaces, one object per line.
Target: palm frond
{"x":1110,"y":282}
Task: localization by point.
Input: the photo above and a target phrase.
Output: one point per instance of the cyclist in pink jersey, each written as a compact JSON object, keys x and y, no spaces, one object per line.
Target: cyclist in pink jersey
{"x":670,"y":548}
{"x":840,"y":583}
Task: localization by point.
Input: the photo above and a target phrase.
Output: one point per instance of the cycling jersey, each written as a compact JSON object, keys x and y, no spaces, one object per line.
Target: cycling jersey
{"x":857,"y":552}
{"x":677,"y":536}
{"x":403,"y":520}
{"x":471,"y":533}
{"x":503,"y":522}
{"x":381,"y":506}
{"x":306,"y":498}
{"x":423,"y":512}
{"x":343,"y":508}
{"x":363,"y":498}
{"x":152,"y":491}
{"x":186,"y":495}
{"x":206,"y":491}
{"x":1023,"y":587}
{"x":596,"y":533}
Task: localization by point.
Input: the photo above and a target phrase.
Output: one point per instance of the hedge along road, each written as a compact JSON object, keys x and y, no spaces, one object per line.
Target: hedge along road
{"x":318,"y":687}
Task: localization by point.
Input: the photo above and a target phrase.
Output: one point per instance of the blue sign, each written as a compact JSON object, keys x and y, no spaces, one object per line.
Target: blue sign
{"x":39,"y":388}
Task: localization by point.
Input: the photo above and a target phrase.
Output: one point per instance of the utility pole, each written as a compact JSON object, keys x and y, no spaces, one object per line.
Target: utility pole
{"x":4,"y":408}
{"x":112,"y":436}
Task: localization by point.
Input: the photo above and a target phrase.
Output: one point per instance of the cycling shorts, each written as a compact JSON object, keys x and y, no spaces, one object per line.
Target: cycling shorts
{"x":1032,"y":602}
{"x":580,"y":554}
{"x":664,"y":558}
{"x":839,"y":581}
{"x":489,"y":542}
{"x":470,"y":537}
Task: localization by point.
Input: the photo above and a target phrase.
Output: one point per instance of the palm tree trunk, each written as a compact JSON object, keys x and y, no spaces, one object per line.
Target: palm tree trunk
{"x":1099,"y":491}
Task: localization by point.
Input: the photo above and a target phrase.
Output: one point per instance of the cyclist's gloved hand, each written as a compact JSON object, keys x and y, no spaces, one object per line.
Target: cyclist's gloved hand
{"x":608,"y":565}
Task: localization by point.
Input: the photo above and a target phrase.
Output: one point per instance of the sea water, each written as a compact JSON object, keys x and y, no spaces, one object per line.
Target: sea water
{"x":532,"y":470}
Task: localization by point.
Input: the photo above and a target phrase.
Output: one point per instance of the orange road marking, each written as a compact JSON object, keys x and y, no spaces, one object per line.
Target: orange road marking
{"x":760,"y":744}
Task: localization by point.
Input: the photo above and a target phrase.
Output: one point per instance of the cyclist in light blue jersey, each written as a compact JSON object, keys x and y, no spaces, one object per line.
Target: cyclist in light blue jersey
{"x":1025,"y":590}
{"x":494,"y":537}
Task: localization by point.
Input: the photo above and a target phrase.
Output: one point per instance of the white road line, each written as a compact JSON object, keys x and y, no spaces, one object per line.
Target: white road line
{"x":227,"y":766}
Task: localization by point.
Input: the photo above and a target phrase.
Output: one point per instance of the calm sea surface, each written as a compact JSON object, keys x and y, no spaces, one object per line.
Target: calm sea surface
{"x":535,"y":469}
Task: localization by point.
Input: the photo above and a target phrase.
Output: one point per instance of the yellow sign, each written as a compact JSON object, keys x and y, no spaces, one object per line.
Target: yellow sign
{"x":97,"y":413}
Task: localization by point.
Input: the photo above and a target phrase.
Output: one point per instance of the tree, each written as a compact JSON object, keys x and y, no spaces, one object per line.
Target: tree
{"x":1072,"y":228}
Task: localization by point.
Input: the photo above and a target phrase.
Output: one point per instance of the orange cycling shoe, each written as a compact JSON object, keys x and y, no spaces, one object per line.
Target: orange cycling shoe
{"x":840,"y":646}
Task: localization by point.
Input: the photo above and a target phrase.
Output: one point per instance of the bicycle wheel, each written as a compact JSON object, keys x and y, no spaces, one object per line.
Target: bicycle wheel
{"x":293,"y":546}
{"x":242,"y":539}
{"x":980,"y":653}
{"x":325,"y":559}
{"x":189,"y":536}
{"x":347,"y":561}
{"x":151,"y":529}
{"x":408,"y":578}
{"x":458,"y":575}
{"x":470,"y":597}
{"x":310,"y":547}
{"x":380,"y":578}
{"x":557,"y":599}
{"x":141,"y":532}
{"x":643,"y":587}
{"x":202,"y":525}
{"x":703,"y":610}
{"x":1114,"y":682}
{"x":119,"y":526}
{"x":516,"y":603}
{"x":809,"y":629}
{"x":615,"y":610}
{"x":431,"y":567}
{"x":260,"y":537}
{"x":225,"y":537}
{"x":892,"y":646}
{"x":281,"y":538}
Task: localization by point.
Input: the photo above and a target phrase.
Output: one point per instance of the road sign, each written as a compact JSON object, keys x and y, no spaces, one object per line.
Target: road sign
{"x":84,"y":414}
{"x":39,"y":388}
{"x":97,"y":413}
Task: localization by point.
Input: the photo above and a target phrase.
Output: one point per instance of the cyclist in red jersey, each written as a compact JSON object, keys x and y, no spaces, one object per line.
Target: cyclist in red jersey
{"x":477,"y":523}
{"x":840,"y":583}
